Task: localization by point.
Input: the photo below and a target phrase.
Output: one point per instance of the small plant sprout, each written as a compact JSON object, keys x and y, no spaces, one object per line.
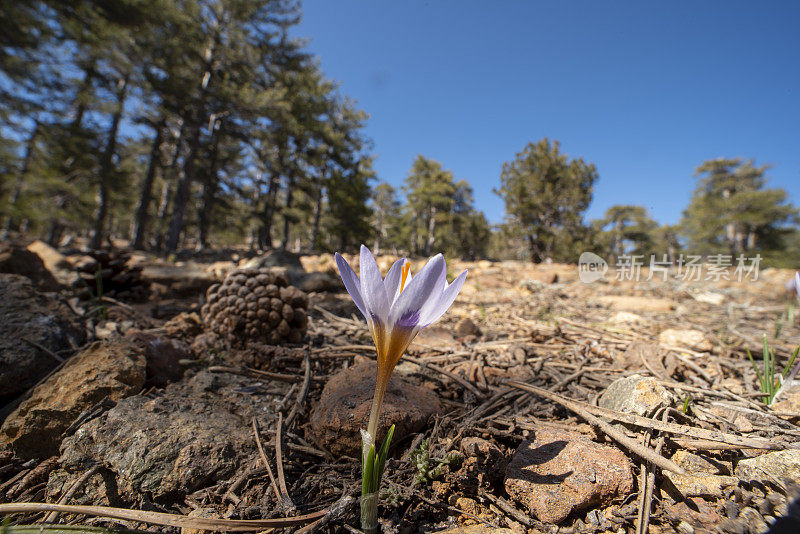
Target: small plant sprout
{"x":770,"y":384}
{"x":396,"y":309}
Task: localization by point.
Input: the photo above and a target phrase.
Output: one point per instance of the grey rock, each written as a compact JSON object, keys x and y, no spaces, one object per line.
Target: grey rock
{"x":197,"y":433}
{"x":635,"y":394}
{"x":27,"y":314}
{"x":783,"y":465}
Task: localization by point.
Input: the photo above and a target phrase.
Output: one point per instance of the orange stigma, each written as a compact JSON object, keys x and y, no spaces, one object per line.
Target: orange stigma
{"x":406,"y":270}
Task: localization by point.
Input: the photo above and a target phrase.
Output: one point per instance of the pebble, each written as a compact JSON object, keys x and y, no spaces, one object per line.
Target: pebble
{"x":635,"y":394}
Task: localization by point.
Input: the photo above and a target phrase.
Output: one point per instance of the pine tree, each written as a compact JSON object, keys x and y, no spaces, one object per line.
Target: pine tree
{"x":732,"y":211}
{"x":545,"y":194}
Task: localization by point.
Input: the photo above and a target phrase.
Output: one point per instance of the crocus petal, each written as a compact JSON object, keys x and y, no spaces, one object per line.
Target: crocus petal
{"x":372,"y":289}
{"x":428,"y":283}
{"x":444,"y":302}
{"x":351,"y":283}
{"x":393,"y":279}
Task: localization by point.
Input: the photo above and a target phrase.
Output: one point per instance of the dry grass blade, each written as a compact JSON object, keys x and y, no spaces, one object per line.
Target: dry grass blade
{"x":167,"y":520}
{"x":286,"y":500}
{"x":278,"y":494}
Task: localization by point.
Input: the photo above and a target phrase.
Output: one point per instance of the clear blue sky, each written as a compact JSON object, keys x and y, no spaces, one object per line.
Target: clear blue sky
{"x":645,"y":90}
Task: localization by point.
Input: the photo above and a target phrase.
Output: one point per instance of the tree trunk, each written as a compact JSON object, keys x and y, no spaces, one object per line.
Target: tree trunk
{"x":183,"y":191}
{"x":106,"y":166}
{"x":268,"y":213}
{"x":80,"y":107}
{"x":210,"y":186}
{"x":431,"y":228}
{"x":751,"y":240}
{"x":535,"y":251}
{"x":184,"y":188}
{"x":286,"y":222}
{"x":146,"y":194}
{"x":11,"y":222}
{"x":317,"y":218}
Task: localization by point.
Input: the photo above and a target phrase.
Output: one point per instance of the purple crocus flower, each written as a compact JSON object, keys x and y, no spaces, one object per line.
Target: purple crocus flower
{"x":397,"y":308}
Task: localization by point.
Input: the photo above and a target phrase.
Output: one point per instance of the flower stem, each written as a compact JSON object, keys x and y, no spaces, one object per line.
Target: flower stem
{"x":369,"y":496}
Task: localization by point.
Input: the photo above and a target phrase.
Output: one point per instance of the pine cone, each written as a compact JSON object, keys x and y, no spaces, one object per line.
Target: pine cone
{"x":256,"y":305}
{"x":118,"y":279}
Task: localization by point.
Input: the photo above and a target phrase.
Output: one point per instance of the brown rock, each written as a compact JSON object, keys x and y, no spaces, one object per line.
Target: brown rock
{"x":788,"y":401}
{"x":635,"y":304}
{"x":184,"y":325}
{"x":56,"y":263}
{"x":104,"y":370}
{"x":163,"y":357}
{"x":346,"y":400}
{"x":562,"y":472}
{"x":686,"y":338}
{"x":32,"y":326}
{"x":476,"y":529}
{"x":695,"y":511}
{"x":466,"y":327}
{"x":19,"y":260}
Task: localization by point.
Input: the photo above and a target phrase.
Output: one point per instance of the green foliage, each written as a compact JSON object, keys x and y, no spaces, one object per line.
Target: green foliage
{"x":545,"y":194}
{"x":766,"y":375}
{"x":627,"y":229}
{"x":733,"y":212}
{"x":422,"y":460}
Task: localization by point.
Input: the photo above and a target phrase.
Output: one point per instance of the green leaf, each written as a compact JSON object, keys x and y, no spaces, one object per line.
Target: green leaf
{"x":368,"y":475}
{"x":380,"y":460}
{"x":789,"y":364}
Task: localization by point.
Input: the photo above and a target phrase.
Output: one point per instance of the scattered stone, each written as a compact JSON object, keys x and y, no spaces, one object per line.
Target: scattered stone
{"x":346,"y":400}
{"x":19,"y":260}
{"x":535,"y":278}
{"x":624,"y":317}
{"x":695,"y":511}
{"x":436,"y":337}
{"x":110,"y":371}
{"x":561,"y":472}
{"x":466,"y":327}
{"x":689,"y":339}
{"x":709,"y":297}
{"x":752,"y":518}
{"x":105,"y":330}
{"x":476,"y":529}
{"x":787,"y":401}
{"x":184,"y":325}
{"x":163,"y":356}
{"x":55,"y":262}
{"x":635,"y":304}
{"x":33,"y":327}
{"x":194,"y":435}
{"x":635,"y":394}
{"x":483,"y":465}
{"x":701,"y":484}
{"x":783,"y":465}
{"x":205,"y":513}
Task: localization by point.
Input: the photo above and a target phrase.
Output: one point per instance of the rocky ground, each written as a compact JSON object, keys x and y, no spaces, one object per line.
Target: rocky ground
{"x":539,"y":403}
